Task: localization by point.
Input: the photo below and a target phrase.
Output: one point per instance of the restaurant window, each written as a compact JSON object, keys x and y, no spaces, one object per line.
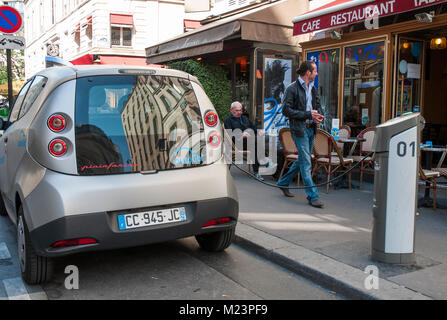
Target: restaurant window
{"x":274,"y":73}
{"x":408,"y":94}
{"x":241,"y":90}
{"x":327,"y":83}
{"x":363,"y":86}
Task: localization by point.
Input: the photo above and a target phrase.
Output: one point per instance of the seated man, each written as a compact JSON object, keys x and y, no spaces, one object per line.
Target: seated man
{"x":236,"y":120}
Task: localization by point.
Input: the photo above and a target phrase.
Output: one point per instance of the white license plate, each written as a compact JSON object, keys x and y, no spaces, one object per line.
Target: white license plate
{"x":150,"y":218}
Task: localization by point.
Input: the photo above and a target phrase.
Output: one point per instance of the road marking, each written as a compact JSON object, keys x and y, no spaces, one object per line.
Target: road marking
{"x":4,"y":252}
{"x":15,"y":289}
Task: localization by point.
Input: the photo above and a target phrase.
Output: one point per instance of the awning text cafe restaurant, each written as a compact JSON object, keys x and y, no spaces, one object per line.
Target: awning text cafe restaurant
{"x":378,"y":59}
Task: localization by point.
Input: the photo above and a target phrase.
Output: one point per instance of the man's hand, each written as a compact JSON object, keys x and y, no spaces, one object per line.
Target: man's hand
{"x":316,"y":117}
{"x":245,"y":135}
{"x":261,"y":132}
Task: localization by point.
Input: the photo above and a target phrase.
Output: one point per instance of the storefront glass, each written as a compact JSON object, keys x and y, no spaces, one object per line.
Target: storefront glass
{"x":327,"y":82}
{"x":242,"y":76}
{"x":363,"y":85}
{"x":408,"y":93}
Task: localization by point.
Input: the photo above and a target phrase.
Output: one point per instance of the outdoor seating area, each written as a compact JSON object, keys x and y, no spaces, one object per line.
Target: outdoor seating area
{"x":429,"y":175}
{"x":332,"y":157}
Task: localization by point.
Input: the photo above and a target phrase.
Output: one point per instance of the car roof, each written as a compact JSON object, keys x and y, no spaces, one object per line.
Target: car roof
{"x":95,"y":70}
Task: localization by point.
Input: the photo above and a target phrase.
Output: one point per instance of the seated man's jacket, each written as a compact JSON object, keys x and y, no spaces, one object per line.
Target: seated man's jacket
{"x":243,"y":123}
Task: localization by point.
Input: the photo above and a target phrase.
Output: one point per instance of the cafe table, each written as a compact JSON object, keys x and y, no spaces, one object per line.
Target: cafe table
{"x":354,"y":140}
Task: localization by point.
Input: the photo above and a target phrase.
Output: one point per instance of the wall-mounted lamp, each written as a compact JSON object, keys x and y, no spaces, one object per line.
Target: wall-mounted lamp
{"x":438,"y":43}
{"x":335,"y":35}
{"x":199,"y":59}
{"x":424,"y":17}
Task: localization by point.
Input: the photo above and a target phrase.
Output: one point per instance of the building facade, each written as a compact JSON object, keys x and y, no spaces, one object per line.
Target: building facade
{"x":253,"y":42}
{"x":104,"y":32}
{"x":372,"y":69}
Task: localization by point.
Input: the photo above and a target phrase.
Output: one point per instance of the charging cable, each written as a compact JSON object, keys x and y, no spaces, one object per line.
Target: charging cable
{"x":304,"y":187}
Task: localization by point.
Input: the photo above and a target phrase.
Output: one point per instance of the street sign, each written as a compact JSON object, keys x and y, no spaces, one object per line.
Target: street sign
{"x":12,"y":42}
{"x":10,"y":20}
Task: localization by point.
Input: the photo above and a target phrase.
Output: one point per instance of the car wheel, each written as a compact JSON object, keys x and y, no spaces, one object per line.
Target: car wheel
{"x":3,"y":211}
{"x":216,"y":241}
{"x":35,"y":269}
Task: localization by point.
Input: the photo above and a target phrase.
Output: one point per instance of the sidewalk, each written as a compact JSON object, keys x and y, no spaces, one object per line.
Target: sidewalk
{"x":331,"y":246}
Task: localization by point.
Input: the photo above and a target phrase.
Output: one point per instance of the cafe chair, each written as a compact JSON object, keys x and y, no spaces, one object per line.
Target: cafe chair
{"x":442,"y":171}
{"x":367,"y":164}
{"x":289,"y":149}
{"x":235,"y":152}
{"x":429,"y":177}
{"x":344,"y":133}
{"x":324,"y":146}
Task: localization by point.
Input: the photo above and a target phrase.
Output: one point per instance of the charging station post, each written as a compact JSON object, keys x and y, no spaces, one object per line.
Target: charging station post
{"x":396,"y":146}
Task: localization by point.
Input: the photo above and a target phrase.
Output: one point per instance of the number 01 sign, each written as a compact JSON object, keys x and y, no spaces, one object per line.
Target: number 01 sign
{"x":402,"y":171}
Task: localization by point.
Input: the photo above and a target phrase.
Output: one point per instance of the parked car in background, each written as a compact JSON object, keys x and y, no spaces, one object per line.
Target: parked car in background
{"x":96,"y":158}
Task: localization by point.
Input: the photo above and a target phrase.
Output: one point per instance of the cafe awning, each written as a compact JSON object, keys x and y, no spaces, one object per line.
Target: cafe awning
{"x":121,"y":19}
{"x":343,"y":12}
{"x":269,"y":23}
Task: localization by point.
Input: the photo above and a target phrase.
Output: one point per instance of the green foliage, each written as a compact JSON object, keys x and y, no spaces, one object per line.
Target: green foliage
{"x":18,"y":66}
{"x":214,"y":81}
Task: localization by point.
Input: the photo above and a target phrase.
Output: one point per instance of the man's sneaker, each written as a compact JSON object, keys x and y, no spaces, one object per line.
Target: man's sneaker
{"x":259,"y":177}
{"x":316,"y":203}
{"x":286,"y":192}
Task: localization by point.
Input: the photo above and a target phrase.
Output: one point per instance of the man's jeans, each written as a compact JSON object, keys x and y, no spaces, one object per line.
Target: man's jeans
{"x":304,"y":146}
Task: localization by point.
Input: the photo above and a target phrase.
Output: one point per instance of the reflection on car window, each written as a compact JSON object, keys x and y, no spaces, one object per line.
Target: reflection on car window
{"x":130,"y":123}
{"x":33,"y":92}
{"x":18,"y":103}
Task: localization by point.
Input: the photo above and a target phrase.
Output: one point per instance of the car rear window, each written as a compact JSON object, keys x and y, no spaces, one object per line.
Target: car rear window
{"x":135,"y":123}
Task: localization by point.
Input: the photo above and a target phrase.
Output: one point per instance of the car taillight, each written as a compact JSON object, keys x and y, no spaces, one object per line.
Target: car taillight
{"x":57,"y":147}
{"x":73,"y":242}
{"x":216,"y":222}
{"x":211,"y":118}
{"x":214,"y":139}
{"x":56,"y":123}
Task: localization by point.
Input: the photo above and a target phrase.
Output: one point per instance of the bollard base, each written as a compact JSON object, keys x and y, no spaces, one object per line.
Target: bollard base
{"x":393,"y":258}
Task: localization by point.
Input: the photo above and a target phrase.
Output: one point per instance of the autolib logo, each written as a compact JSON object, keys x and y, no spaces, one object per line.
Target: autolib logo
{"x":186,"y":155}
{"x":22,"y":140}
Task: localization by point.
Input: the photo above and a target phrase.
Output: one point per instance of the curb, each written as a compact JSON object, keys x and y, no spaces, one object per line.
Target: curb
{"x":327,"y":272}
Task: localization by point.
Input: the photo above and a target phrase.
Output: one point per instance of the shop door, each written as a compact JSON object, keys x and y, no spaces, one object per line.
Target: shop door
{"x":408,"y":73}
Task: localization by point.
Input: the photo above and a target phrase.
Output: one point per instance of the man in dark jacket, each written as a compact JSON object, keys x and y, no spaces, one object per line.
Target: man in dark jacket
{"x":301,"y":104}
{"x":236,"y":120}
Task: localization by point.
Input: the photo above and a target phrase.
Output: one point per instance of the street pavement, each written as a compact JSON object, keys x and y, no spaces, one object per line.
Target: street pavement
{"x":331,"y":246}
{"x":173,"y":270}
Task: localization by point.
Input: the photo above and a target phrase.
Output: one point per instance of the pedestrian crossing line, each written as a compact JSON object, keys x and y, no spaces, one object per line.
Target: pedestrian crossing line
{"x":15,"y":289}
{"x":4,"y":252}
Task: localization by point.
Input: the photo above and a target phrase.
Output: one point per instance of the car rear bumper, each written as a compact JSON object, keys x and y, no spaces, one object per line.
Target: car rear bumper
{"x":103,"y":227}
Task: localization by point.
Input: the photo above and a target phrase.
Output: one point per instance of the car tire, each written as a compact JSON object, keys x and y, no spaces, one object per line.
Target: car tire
{"x":35,"y":269}
{"x":3,"y":211}
{"x":216,"y":241}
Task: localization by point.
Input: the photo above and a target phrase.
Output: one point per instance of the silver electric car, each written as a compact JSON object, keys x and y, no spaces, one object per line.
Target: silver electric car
{"x":95,"y":158}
